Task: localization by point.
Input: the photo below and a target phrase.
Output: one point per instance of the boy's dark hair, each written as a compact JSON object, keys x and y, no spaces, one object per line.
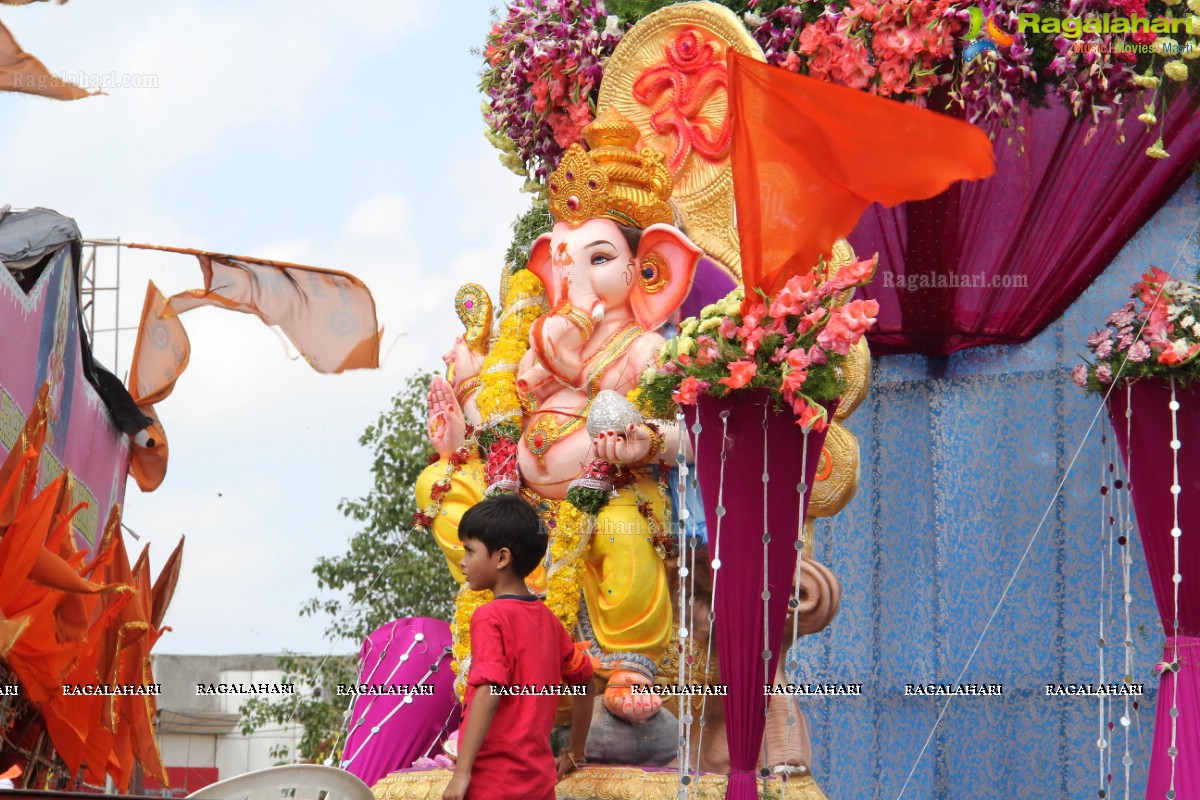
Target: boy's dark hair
{"x":507,"y":521}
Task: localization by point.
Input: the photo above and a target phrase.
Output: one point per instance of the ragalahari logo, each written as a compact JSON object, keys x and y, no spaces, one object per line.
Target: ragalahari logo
{"x":981,"y":38}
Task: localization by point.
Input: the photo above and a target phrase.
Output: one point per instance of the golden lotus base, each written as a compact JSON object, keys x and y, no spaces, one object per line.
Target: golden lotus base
{"x":601,"y":783}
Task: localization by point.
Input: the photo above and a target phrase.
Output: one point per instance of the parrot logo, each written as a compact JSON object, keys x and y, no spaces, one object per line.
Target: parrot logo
{"x":981,"y":39}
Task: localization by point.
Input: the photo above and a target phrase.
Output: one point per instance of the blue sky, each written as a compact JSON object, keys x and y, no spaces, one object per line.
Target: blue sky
{"x":342,"y":135}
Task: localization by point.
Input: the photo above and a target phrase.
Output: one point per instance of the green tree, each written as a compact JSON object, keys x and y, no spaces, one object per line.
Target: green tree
{"x":390,"y":570}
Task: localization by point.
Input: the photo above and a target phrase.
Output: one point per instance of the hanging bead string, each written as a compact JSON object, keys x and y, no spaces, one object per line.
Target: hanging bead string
{"x":1122,"y":497}
{"x":1103,"y":591}
{"x":1109,"y":483}
{"x":406,"y":700}
{"x":715,"y":564}
{"x":686,"y":586}
{"x":348,"y":714}
{"x":441,"y":733}
{"x":1176,"y":578}
{"x":766,"y":590}
{"x":692,"y":666}
{"x":793,"y":664}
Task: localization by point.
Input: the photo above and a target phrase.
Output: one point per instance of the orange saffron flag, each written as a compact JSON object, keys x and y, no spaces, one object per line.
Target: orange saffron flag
{"x":329,"y":316}
{"x":809,"y":157}
{"x":161,"y":353}
{"x":21,"y":72}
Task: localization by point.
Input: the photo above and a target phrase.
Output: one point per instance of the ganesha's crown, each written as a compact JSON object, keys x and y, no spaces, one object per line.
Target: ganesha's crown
{"x":610,"y":180}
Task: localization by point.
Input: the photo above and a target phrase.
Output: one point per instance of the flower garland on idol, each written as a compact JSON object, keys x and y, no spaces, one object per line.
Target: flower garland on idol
{"x":792,"y":344}
{"x":1160,"y":337}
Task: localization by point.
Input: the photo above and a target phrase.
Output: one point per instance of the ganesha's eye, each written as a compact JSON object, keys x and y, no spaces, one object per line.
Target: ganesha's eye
{"x":601,"y":258}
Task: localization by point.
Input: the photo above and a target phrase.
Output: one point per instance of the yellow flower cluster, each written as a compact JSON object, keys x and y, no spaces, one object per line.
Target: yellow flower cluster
{"x":464,"y":606}
{"x":566,"y":546}
{"x":526,"y":301}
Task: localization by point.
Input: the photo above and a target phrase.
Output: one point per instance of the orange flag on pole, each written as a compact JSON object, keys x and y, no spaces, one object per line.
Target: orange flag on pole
{"x":809,"y":157}
{"x":21,"y":72}
{"x":328,"y":315}
{"x":160,"y":356}
{"x":161,"y":353}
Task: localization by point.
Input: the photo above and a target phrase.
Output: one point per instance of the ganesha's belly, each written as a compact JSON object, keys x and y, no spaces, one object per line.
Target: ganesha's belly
{"x":551,"y":457}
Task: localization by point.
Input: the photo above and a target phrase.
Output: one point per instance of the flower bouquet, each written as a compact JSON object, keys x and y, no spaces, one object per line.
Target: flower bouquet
{"x":1160,"y":338}
{"x":792,"y":344}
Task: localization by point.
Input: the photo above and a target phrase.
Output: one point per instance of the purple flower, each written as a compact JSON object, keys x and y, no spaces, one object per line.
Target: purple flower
{"x":1139,"y":352}
{"x":1079,"y":375}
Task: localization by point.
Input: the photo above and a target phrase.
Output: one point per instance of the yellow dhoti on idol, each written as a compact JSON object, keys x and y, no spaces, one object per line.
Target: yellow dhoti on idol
{"x":625,"y":611}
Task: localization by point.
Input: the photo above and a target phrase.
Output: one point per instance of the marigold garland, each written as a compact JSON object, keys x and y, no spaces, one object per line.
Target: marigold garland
{"x":572,"y":532}
{"x":464,"y":606}
{"x":497,"y":400}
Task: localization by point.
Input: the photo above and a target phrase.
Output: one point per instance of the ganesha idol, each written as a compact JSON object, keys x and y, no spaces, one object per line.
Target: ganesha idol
{"x":613,"y":269}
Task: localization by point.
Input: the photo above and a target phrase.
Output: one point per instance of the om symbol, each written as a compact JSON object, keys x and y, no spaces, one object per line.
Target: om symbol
{"x":677,"y":90}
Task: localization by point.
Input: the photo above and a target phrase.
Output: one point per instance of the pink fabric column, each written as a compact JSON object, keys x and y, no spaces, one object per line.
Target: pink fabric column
{"x":737,"y":539}
{"x":1146,"y":449}
{"x":400,"y":653}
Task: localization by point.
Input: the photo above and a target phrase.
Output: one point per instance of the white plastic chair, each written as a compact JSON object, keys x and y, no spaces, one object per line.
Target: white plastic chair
{"x":292,"y":781}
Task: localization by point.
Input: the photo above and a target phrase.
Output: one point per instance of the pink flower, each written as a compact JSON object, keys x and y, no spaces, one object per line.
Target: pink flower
{"x":728,"y":328}
{"x":540,"y":91}
{"x":740,"y":374}
{"x":1139,"y":352}
{"x":791,"y":62}
{"x":793,"y":382}
{"x":798,"y":359}
{"x":689,"y":390}
{"x":1096,"y":338}
{"x":1079,"y":375}
{"x":751,"y":338}
{"x":1104,"y":374}
{"x":1104,"y":348}
{"x":754,"y":317}
{"x":893,"y":77}
{"x":795,"y":296}
{"x":816,"y":355}
{"x":706,"y":355}
{"x":847,"y":325}
{"x":809,"y":415}
{"x":852,"y":68}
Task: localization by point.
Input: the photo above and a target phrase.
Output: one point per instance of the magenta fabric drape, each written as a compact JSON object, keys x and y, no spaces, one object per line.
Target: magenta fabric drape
{"x":737,"y":540}
{"x":1055,"y":215}
{"x":394,"y":655}
{"x":1146,"y":449}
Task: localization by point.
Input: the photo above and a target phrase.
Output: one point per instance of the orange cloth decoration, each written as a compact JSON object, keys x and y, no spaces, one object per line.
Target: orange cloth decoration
{"x":810,"y":156}
{"x":160,"y":356}
{"x":328,"y":315}
{"x":21,"y":72}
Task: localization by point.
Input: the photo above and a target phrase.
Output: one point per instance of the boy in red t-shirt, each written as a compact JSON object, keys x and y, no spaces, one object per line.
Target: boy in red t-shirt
{"x":516,"y":644}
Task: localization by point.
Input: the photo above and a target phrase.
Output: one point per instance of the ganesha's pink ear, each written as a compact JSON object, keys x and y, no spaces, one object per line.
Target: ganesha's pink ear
{"x":666,"y":266}
{"x":540,"y":264}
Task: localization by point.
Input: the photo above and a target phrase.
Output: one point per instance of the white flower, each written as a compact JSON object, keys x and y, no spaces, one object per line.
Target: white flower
{"x":755,"y":21}
{"x":612,"y":25}
{"x":1196,"y":330}
{"x":1188,"y":321}
{"x":1194,"y":5}
{"x":1180,"y":346}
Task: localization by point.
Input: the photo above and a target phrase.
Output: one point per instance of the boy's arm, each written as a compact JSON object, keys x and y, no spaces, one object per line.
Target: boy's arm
{"x":581,"y":723}
{"x":483,"y":709}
